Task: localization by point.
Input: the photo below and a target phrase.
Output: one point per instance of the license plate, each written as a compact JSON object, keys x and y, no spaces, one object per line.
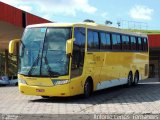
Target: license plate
{"x":40,"y":90}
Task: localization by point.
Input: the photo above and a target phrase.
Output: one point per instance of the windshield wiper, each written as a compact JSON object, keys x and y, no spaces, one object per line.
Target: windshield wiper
{"x":22,"y":43}
{"x":34,"y":63}
{"x":23,"y":47}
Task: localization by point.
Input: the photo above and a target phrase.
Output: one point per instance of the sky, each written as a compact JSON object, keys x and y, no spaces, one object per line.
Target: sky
{"x":132,"y":14}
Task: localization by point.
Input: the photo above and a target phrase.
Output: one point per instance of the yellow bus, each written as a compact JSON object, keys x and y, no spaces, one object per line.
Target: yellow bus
{"x":69,"y":59}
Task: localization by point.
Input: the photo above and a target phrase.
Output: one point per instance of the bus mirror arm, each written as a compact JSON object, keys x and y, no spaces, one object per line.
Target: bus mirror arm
{"x":13,"y":45}
{"x":69,"y":47}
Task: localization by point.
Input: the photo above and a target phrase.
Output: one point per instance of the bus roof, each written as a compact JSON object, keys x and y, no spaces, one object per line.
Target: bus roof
{"x":91,"y":26}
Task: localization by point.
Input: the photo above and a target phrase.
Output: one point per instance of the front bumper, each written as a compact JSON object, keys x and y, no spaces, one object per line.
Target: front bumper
{"x":58,"y":90}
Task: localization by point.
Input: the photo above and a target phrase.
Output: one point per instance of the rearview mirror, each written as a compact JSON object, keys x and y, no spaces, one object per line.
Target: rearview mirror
{"x":13,"y":46}
{"x":69,"y":46}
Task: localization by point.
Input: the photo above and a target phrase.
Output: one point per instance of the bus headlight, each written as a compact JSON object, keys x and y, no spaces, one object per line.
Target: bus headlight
{"x":22,"y":81}
{"x":60,"y":82}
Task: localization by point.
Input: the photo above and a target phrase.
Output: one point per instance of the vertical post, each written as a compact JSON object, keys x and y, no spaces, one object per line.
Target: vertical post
{"x":17,"y":54}
{"x":6,"y":61}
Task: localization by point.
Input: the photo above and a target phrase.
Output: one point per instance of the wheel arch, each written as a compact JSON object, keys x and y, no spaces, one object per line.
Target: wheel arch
{"x":137,"y":71}
{"x":90,"y":79}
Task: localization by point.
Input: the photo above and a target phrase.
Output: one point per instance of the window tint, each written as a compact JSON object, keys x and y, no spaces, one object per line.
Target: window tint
{"x":139,"y":44}
{"x":96,"y":40}
{"x":116,"y":42}
{"x":145,"y":44}
{"x":93,"y":40}
{"x":78,"y":52}
{"x":108,"y":41}
{"x":125,"y":42}
{"x":90,"y":40}
{"x":133,"y":43}
{"x":105,"y":41}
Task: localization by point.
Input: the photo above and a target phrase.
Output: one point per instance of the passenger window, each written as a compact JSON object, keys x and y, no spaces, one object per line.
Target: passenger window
{"x":105,"y":41}
{"x":145,"y":44}
{"x":140,"y":44}
{"x":96,"y":40}
{"x":90,"y":40}
{"x":125,"y":42}
{"x":133,"y":43}
{"x":116,"y":42}
{"x":93,"y":40}
{"x":108,"y":41}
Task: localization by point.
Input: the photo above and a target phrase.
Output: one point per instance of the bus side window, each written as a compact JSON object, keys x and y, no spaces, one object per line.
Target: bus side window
{"x":93,"y":40}
{"x":145,"y":44}
{"x":105,"y":41}
{"x":96,"y":40}
{"x":125,"y":42}
{"x":116,"y":42}
{"x":90,"y":40}
{"x":108,"y":41}
{"x":133,"y":43}
{"x":139,"y":44}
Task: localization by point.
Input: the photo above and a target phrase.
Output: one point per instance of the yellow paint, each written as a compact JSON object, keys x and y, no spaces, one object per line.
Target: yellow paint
{"x":12,"y":45}
{"x":69,"y":46}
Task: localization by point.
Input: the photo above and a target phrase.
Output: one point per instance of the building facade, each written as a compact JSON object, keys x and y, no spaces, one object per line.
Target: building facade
{"x":154,"y":45}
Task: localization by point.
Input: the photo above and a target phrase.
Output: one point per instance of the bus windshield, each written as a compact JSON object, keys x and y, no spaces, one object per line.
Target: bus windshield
{"x":43,"y":52}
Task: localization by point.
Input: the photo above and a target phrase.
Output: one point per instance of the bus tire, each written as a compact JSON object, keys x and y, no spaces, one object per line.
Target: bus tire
{"x":130,"y":79}
{"x":88,"y":88}
{"x":136,"y":78}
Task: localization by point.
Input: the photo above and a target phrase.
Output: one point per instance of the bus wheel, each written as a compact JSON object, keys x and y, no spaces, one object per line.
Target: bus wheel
{"x":87,"y":88}
{"x":130,"y":79}
{"x":136,"y":79}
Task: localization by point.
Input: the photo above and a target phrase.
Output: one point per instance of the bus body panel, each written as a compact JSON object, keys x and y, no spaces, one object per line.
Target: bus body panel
{"x":112,"y":68}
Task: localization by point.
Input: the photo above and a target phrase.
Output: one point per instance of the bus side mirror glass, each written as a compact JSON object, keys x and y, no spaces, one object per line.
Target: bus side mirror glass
{"x":13,"y":46}
{"x":69,"y":46}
